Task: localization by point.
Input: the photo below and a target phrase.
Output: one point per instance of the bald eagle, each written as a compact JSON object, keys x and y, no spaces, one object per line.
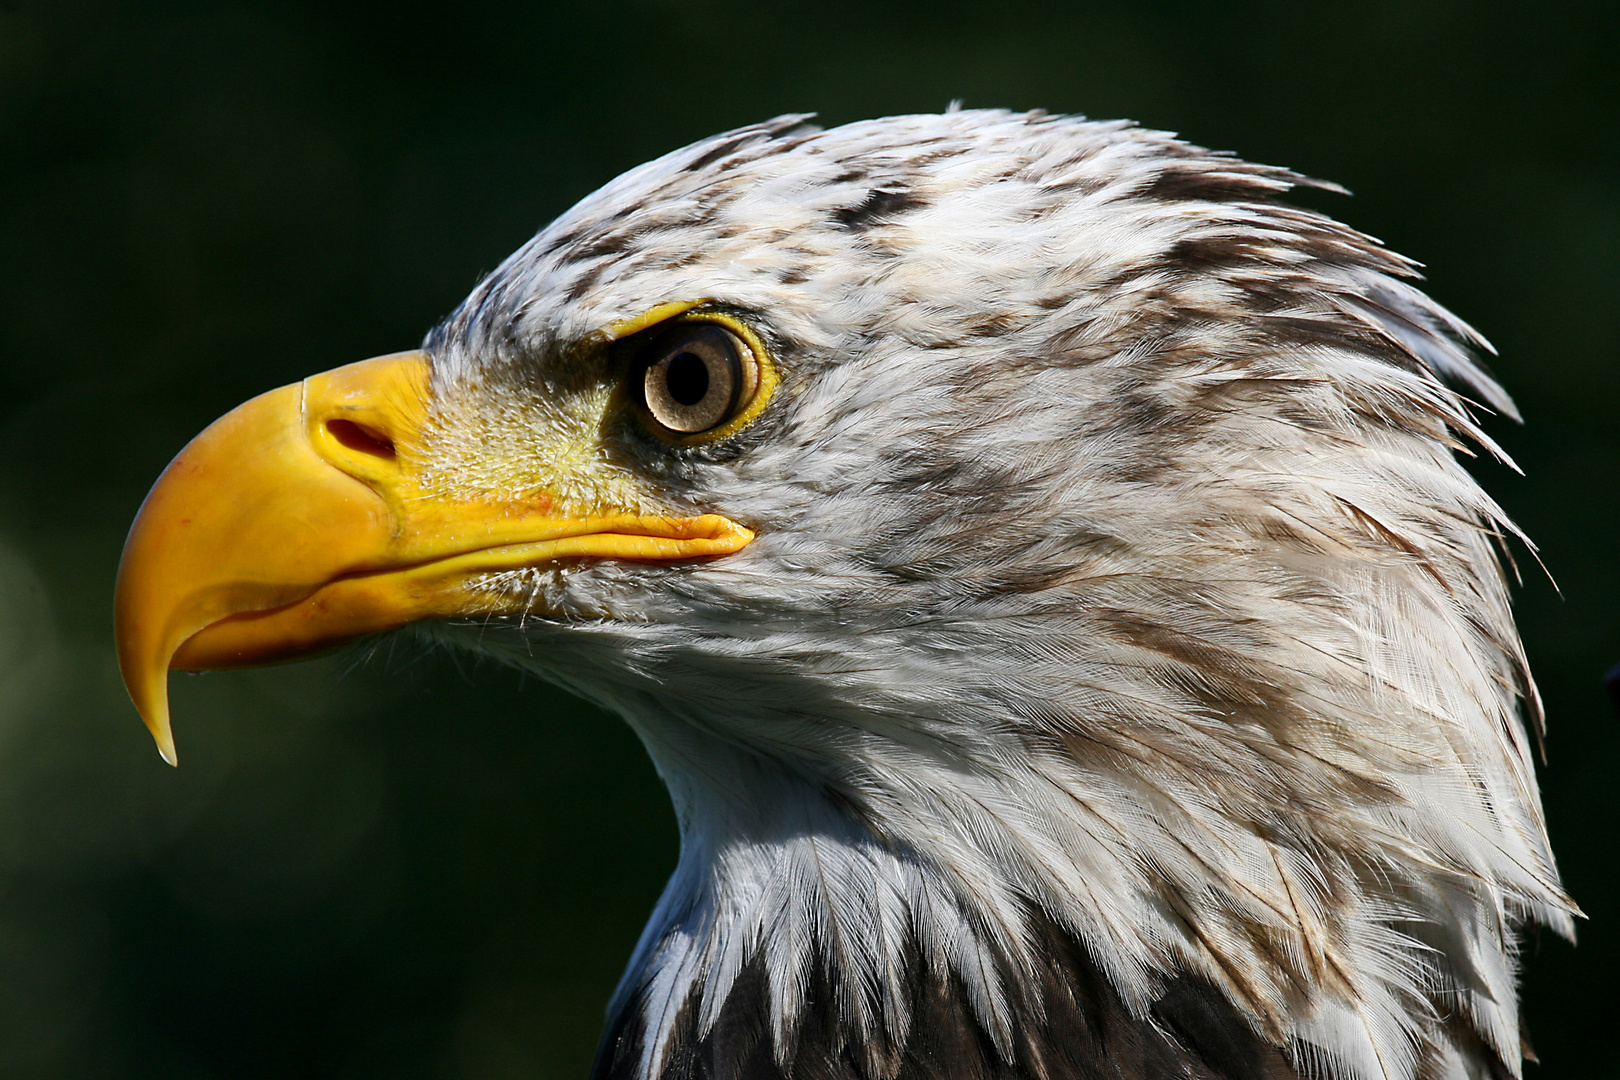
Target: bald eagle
{"x":1032,"y":553}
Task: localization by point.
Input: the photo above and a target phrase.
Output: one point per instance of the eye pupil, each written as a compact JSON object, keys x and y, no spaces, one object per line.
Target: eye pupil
{"x":687,"y":378}
{"x":697,"y":376}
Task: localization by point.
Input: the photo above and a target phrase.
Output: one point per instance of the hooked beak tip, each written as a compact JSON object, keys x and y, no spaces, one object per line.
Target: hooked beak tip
{"x":155,"y":711}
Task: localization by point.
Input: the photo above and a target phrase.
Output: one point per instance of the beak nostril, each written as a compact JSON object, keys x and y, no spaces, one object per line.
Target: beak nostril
{"x":362,"y":439}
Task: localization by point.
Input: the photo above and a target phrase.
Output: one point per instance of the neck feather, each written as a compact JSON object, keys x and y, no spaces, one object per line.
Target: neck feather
{"x":791,"y":942}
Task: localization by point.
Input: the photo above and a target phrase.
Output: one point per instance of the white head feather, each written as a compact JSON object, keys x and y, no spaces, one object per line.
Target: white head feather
{"x":1116,"y":585}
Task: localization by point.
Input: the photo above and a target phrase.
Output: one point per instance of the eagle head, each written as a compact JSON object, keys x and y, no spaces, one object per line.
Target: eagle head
{"x":1033,"y":555}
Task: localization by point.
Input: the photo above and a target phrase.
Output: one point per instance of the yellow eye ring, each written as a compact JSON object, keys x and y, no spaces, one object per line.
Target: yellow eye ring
{"x":680,"y":379}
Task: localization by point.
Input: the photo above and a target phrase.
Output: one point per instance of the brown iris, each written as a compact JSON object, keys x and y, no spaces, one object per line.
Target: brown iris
{"x":697,"y":376}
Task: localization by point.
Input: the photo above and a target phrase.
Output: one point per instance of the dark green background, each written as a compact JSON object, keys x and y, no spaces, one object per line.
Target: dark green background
{"x":405,"y":868}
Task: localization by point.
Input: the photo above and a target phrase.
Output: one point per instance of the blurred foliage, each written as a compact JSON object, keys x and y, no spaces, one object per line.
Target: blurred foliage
{"x":386,"y":865}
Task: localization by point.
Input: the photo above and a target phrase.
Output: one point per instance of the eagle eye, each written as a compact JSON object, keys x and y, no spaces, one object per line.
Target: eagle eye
{"x":696,"y":376}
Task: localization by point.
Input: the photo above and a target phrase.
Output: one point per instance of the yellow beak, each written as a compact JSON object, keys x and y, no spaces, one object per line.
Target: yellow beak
{"x":295,"y":523}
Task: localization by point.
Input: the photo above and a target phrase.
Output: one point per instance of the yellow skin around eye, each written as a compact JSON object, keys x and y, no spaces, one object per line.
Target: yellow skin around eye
{"x":767,"y":378}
